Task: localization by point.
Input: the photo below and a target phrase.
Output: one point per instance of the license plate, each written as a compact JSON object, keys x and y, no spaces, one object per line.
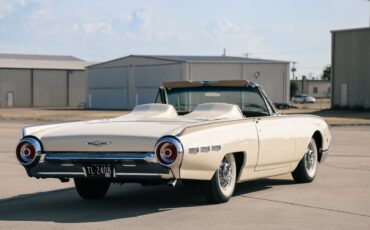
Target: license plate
{"x":99,"y":170}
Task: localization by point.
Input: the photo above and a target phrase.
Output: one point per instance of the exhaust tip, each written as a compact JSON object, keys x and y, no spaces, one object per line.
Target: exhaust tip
{"x":172,"y":183}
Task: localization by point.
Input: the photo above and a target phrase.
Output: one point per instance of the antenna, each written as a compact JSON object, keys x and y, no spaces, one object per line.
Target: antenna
{"x":246,"y":54}
{"x":294,"y":69}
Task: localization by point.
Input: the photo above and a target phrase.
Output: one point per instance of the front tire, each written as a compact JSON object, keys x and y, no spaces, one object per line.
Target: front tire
{"x":90,"y":189}
{"x":221,"y":188}
{"x":307,"y":167}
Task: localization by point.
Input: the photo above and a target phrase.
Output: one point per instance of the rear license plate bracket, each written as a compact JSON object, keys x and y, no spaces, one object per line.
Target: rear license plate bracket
{"x":98,"y":170}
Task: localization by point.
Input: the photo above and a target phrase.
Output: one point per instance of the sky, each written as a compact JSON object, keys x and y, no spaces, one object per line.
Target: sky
{"x":101,"y":30}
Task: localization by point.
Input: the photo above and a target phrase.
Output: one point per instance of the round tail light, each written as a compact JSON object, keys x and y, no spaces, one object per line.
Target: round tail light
{"x":28,"y":151}
{"x":167,"y":150}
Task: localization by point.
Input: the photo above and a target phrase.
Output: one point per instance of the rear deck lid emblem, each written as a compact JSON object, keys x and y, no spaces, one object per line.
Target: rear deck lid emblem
{"x":98,"y":143}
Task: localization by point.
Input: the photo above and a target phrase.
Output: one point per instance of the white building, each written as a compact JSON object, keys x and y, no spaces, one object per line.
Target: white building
{"x":315,"y":88}
{"x":125,"y":82}
{"x":42,"y":81}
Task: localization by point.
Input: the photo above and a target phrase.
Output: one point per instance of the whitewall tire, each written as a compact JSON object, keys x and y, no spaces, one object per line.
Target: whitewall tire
{"x":221,"y":188}
{"x":307,"y":167}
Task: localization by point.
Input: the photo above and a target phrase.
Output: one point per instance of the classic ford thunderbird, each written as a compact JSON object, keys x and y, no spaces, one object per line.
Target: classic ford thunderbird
{"x":227,"y":132}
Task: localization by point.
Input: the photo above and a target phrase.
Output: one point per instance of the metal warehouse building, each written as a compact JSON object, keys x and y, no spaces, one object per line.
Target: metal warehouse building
{"x":351,"y":68}
{"x":42,"y":81}
{"x":125,"y":82}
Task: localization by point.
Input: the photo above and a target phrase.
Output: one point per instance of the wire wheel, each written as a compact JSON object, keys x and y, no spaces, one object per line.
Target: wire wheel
{"x":310,"y":160}
{"x":225,"y":174}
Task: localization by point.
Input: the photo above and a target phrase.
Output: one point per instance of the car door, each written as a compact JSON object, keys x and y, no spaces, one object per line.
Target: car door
{"x":276,"y":142}
{"x":276,"y":136}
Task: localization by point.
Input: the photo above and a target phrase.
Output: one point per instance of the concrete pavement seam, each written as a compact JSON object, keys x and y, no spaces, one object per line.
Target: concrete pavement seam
{"x":308,"y":206}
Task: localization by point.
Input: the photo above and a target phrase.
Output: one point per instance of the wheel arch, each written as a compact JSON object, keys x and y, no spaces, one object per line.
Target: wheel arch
{"x":317,"y":136}
{"x":240,"y":161}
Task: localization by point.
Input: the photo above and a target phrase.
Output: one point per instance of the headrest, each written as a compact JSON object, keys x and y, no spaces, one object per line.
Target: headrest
{"x":160,"y":111}
{"x":215,"y":111}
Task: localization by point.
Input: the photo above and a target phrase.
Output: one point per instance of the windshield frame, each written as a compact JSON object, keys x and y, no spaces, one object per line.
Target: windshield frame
{"x":269,"y":105}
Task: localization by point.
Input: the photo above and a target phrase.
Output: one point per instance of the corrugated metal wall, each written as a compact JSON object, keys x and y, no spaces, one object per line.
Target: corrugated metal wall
{"x":108,"y":88}
{"x":124,"y":83}
{"x":42,"y":88}
{"x":149,"y":78}
{"x":351,"y":68}
{"x":77,"y":88}
{"x":50,"y":88}
{"x":273,"y":77}
{"x":18,"y":83}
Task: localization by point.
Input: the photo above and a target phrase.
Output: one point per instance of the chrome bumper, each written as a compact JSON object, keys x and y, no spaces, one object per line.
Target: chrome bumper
{"x":126,"y":166}
{"x":324,"y":155}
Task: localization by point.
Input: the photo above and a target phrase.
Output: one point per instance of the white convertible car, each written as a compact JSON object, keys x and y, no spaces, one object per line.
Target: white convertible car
{"x":228,"y":132}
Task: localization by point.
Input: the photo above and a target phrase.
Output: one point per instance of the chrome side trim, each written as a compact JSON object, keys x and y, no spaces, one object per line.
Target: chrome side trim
{"x":92,"y":156}
{"x":138,"y":174}
{"x":60,"y":173}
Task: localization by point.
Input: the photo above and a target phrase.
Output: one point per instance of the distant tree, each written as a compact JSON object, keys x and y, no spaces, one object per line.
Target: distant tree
{"x":293,"y":88}
{"x":326,"y":73}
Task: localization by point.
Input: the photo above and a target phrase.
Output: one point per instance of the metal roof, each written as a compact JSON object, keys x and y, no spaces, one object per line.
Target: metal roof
{"x":188,"y":58}
{"x":27,"y":61}
{"x":350,"y":30}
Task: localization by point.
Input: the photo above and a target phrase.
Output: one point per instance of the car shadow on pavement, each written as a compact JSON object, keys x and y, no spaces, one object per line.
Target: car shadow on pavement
{"x":131,"y":200}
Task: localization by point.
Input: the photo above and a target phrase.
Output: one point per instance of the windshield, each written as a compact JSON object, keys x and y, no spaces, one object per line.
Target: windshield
{"x":248,"y":99}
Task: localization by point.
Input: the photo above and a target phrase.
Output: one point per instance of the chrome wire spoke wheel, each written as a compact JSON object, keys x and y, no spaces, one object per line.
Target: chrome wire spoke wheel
{"x":221,"y":187}
{"x":311,"y":159}
{"x":226,"y":175}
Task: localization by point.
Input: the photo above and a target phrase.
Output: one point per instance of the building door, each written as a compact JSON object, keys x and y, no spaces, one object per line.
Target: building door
{"x":344,"y":95}
{"x":10,"y":99}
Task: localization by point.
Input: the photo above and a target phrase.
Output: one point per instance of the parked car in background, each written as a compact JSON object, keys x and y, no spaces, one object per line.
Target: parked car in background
{"x":208,"y":134}
{"x":303,"y":98}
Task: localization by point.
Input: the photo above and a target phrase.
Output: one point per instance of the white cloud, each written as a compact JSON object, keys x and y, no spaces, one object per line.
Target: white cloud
{"x":139,"y":19}
{"x":40,"y":14}
{"x":5,"y":8}
{"x":9,"y":6}
{"x":226,"y":26}
{"x":236,"y":38}
{"x":93,"y":26}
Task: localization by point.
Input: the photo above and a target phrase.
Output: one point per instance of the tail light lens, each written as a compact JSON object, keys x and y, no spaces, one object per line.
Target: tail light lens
{"x":167,"y":150}
{"x":28,"y":151}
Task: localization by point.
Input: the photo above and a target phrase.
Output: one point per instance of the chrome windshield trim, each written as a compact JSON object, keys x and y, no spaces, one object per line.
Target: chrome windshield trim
{"x":100,"y":156}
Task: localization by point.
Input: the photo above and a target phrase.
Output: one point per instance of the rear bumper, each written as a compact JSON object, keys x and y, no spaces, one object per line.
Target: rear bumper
{"x":125,"y":167}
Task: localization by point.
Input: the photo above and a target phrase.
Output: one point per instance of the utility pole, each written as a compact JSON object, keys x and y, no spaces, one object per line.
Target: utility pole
{"x":246,"y":54}
{"x":294,"y":69}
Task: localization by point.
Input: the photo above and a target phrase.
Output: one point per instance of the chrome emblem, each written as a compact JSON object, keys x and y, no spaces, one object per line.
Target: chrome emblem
{"x":98,"y":143}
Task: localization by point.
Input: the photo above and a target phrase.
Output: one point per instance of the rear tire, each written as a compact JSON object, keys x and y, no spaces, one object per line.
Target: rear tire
{"x":307,"y":167}
{"x":90,"y":189}
{"x":221,"y":188}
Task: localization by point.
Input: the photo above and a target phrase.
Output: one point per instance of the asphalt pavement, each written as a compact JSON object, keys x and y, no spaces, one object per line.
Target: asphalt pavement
{"x":339,"y":197}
